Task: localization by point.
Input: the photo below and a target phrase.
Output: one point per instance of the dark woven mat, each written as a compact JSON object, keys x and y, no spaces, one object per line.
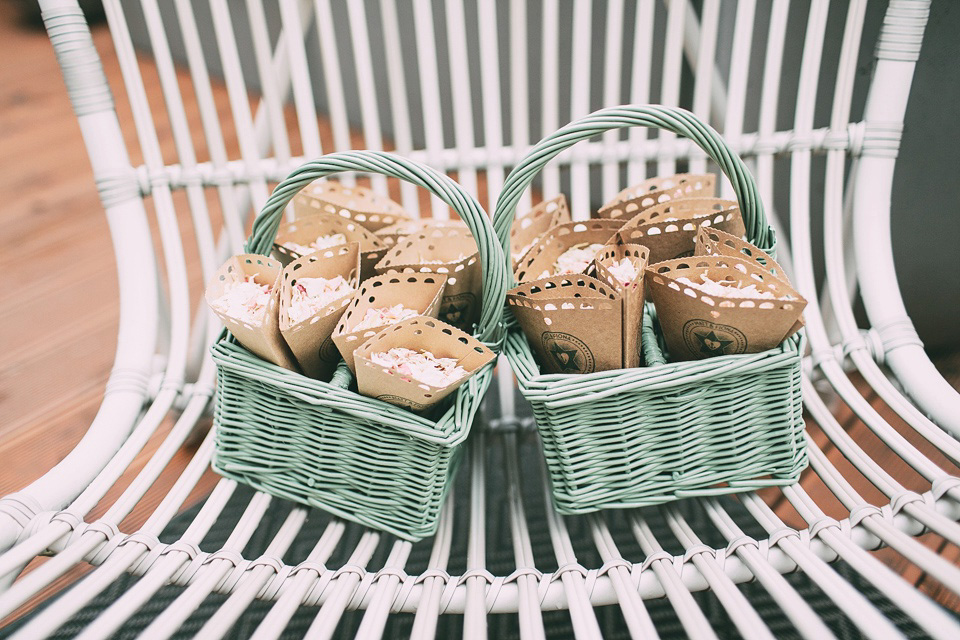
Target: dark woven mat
{"x":500,"y":561}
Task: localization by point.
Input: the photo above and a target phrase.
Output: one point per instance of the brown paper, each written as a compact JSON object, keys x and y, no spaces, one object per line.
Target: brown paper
{"x":356,"y":203}
{"x":669,"y":239}
{"x":422,"y":292}
{"x":712,"y":241}
{"x":310,"y":339}
{"x":423,"y":334}
{"x":530,"y":227}
{"x":264,"y":339}
{"x":697,"y":325}
{"x":657,"y":190}
{"x":543,"y":255}
{"x":392,"y":234}
{"x":445,"y":245}
{"x":308,"y":229}
{"x":631,"y":294}
{"x":572,"y":322}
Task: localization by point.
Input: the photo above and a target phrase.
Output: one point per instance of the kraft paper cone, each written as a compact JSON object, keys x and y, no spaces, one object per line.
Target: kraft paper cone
{"x":712,"y":241}
{"x":262,"y":339}
{"x":451,"y":251}
{"x":631,"y":293}
{"x":530,"y":227}
{"x":657,"y":190}
{"x":421,"y":292}
{"x":669,"y":230}
{"x":543,"y":255}
{"x":308,"y":229}
{"x":357,"y":203}
{"x":419,"y":334}
{"x":310,"y":339}
{"x":697,"y":325}
{"x":395,"y":232}
{"x":572,"y":322}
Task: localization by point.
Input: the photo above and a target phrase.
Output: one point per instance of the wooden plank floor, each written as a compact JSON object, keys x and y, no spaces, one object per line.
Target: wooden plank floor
{"x":58,"y":309}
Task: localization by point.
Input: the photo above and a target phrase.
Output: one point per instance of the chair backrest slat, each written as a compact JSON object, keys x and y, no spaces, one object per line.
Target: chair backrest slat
{"x":549,"y":88}
{"x":612,"y":90}
{"x":333,"y":80}
{"x":770,"y":93}
{"x":432,"y":119}
{"x":580,"y":84}
{"x":239,"y":102}
{"x":271,"y":96}
{"x":743,"y":34}
{"x":398,"y":87}
{"x":703,"y":85}
{"x":640,"y":80}
{"x":369,"y":112}
{"x":519,"y":84}
{"x":463,"y":134}
{"x":293,"y":29}
{"x":490,"y":91}
{"x":670,"y":80}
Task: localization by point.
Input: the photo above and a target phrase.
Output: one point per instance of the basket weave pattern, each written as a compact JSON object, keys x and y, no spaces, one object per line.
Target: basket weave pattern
{"x":321,"y":444}
{"x":636,"y":437}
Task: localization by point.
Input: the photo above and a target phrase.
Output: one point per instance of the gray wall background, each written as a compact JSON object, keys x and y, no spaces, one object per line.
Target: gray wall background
{"x":926,"y":197}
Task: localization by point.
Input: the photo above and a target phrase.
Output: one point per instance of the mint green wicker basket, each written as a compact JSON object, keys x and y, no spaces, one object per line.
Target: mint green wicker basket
{"x":636,"y":437}
{"x":321,"y":443}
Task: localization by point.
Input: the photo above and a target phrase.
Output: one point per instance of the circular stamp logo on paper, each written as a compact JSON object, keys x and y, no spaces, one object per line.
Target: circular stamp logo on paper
{"x":566,"y":354}
{"x":458,"y":309}
{"x":329,"y":351}
{"x":403,"y":402}
{"x":705,"y":339}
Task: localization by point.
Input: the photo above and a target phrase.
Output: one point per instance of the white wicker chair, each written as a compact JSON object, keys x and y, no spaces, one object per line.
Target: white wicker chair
{"x":667,"y":46}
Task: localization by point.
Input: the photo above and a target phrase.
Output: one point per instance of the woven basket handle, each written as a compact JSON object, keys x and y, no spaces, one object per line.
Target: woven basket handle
{"x":495,"y":272}
{"x":679,"y":121}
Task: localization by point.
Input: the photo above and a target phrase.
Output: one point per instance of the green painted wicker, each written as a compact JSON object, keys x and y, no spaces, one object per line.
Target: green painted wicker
{"x":635,"y":437}
{"x":321,"y":443}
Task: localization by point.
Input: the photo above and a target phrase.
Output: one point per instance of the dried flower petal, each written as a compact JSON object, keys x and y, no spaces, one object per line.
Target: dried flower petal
{"x":574,"y":260}
{"x":624,"y":271}
{"x":322,"y":242}
{"x":422,"y":366}
{"x":244,"y":300}
{"x":311,"y":295}
{"x":382,"y":316}
{"x":728,"y":288}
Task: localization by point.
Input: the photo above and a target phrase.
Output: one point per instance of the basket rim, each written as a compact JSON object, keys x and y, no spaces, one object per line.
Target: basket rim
{"x":563,"y":390}
{"x":451,"y":429}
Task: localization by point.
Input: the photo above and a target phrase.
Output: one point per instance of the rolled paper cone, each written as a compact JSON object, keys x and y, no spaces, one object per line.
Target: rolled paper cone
{"x":262,"y":338}
{"x":669,"y":230}
{"x":631,"y":293}
{"x":310,"y":339}
{"x":711,"y":241}
{"x":419,"y":334}
{"x":447,"y":250}
{"x":530,"y":227}
{"x":306,"y":230}
{"x":356,"y":203}
{"x":542,"y":256}
{"x":392,"y":234}
{"x":698,"y":324}
{"x":421,"y":292}
{"x":572,"y":322}
{"x":657,"y":190}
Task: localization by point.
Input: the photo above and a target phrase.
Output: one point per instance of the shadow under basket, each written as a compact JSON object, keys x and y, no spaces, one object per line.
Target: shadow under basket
{"x":320,"y":444}
{"x":637,"y":437}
